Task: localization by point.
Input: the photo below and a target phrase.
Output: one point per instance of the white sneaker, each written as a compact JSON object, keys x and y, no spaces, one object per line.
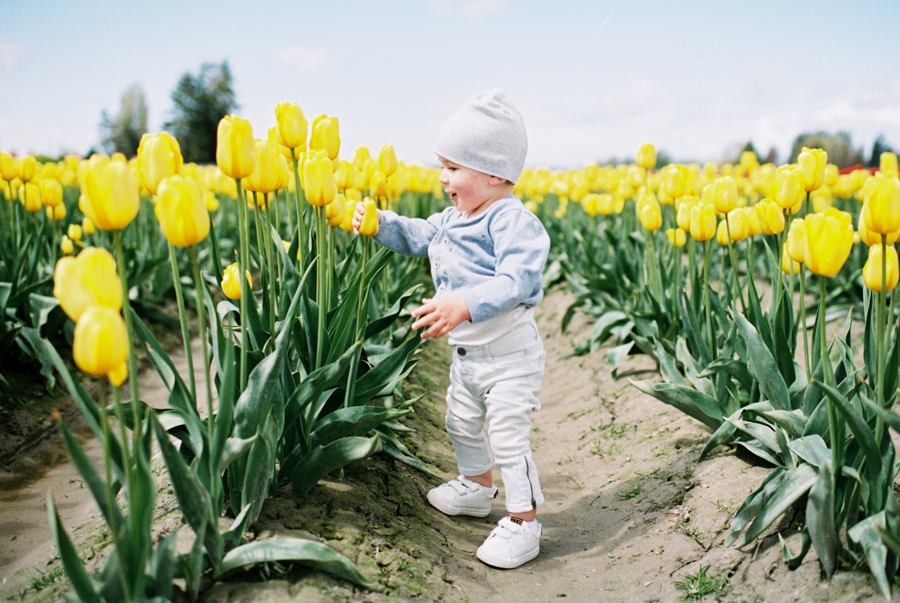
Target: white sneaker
{"x":462,"y":496}
{"x":510,"y":545}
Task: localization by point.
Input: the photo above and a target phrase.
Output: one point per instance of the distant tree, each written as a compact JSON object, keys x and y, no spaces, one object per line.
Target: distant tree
{"x":840,"y":151}
{"x":878,"y":148}
{"x":122,"y":132}
{"x":201,"y":101}
{"x":771,"y":156}
{"x":662,"y":160}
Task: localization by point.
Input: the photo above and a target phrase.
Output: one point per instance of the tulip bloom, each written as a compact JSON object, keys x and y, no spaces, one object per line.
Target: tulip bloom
{"x":51,"y":192}
{"x":676,"y":181}
{"x":335,"y":211}
{"x":9,"y":167}
{"x":181,"y":211}
{"x":650,"y":215}
{"x":57,"y":213}
{"x":881,"y":204}
{"x":270,"y":173}
{"x":66,"y":245}
{"x":787,"y":190}
{"x":683,"y":213}
{"x":33,"y":201}
{"x":812,"y":164}
{"x":788,"y":266}
{"x":872,"y":269}
{"x":235,"y":148}
{"x":703,"y":222}
{"x":74,"y":232}
{"x":111,"y":195}
{"x":796,"y":241}
{"x":646,"y":156}
{"x":387,"y":160}
{"x":87,"y":227}
{"x":89,"y":279}
{"x":27,"y":168}
{"x":292,"y":125}
{"x":873,"y":238}
{"x":725,"y":194}
{"x":368,"y":226}
{"x":318,"y":180}
{"x":888,"y":164}
{"x":158,"y":156}
{"x":100,"y":344}
{"x":325,"y":136}
{"x":829,"y":237}
{"x":231,"y":282}
{"x":676,"y":236}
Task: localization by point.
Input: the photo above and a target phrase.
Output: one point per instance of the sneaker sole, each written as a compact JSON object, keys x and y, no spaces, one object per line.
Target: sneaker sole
{"x":506,"y":563}
{"x":440,"y":506}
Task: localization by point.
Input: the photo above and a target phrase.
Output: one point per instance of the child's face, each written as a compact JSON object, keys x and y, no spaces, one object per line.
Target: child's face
{"x":470,"y":190}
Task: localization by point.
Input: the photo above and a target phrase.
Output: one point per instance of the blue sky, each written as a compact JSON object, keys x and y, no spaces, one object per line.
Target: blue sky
{"x":593,"y":79}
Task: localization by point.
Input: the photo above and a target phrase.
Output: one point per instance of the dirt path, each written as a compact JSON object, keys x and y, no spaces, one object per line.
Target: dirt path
{"x":629,"y":511}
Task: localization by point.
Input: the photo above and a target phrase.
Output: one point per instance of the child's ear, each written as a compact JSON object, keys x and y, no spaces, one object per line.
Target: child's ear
{"x":497,"y":180}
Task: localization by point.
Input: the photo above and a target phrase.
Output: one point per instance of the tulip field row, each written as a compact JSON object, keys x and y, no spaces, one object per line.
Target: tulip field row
{"x":741,"y":281}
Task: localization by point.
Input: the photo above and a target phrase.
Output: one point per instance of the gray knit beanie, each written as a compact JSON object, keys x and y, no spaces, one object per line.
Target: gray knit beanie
{"x":487,"y":135}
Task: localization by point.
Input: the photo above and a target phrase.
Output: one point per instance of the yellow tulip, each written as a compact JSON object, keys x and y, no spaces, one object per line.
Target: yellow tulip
{"x":344,"y":175}
{"x":66,"y":245}
{"x":275,"y":139}
{"x":74,"y":232}
{"x":211,"y":201}
{"x":831,"y":175}
{"x":181,"y":211}
{"x":378,"y":185}
{"x":318,"y":180}
{"x":270,"y":172}
{"x":387,"y":160}
{"x":51,"y":192}
{"x":872,"y":269}
{"x":787,"y":190}
{"x":100,"y":343}
{"x":33,"y":201}
{"x":606,"y":204}
{"x":349,"y":208}
{"x":87,"y":227}
{"x":650,"y":215}
{"x":749,"y":160}
{"x":27,"y":168}
{"x":703,"y":222}
{"x":646,"y":156}
{"x":683,"y":213}
{"x":231,"y":282}
{"x":89,"y":279}
{"x":771,"y":218}
{"x":369,"y":224}
{"x":739,"y":224}
{"x":676,"y":181}
{"x":725,"y":194}
{"x":873,"y":238}
{"x":111,"y":199}
{"x":829,"y":237}
{"x":57,"y":213}
{"x":676,"y":236}
{"x":9,"y":167}
{"x":158,"y":156}
{"x":812,"y":164}
{"x":292,"y":125}
{"x":796,"y":241}
{"x":754,"y":227}
{"x":881,"y":204}
{"x":788,"y":266}
{"x":325,"y":136}
{"x":235,"y":148}
{"x":335,"y":211}
{"x":888,"y":164}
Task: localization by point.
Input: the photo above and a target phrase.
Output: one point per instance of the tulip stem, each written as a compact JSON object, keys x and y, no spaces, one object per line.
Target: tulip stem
{"x":271,"y":259}
{"x":243,"y":267}
{"x":182,"y":318}
{"x":734,"y":265}
{"x":301,"y":224}
{"x":200,"y":288}
{"x":882,"y":328}
{"x":360,"y":326}
{"x":129,"y":326}
{"x":803,"y":318}
{"x":835,"y":427}
{"x":712,"y":347}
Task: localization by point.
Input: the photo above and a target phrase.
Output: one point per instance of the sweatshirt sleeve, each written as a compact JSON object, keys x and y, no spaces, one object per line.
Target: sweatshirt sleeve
{"x":406,"y":236}
{"x":521,"y":246}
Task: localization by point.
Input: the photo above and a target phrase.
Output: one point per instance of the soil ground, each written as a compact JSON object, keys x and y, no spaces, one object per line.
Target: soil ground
{"x":631,"y":515}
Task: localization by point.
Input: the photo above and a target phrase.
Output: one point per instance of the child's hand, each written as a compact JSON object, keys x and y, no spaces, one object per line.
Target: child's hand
{"x":358,"y":217}
{"x":442,"y":314}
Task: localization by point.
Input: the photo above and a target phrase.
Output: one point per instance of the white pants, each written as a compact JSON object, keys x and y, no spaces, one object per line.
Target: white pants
{"x":498,"y":383}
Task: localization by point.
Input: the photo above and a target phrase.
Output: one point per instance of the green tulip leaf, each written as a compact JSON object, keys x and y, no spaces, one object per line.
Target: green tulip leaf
{"x":762,"y":366}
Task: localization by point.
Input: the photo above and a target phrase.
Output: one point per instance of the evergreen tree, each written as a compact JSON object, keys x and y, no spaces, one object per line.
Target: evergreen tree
{"x":122,"y":133}
{"x":201,"y":101}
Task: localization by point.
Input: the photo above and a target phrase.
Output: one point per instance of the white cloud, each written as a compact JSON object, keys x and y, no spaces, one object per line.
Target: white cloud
{"x":305,"y":59}
{"x":9,"y":54}
{"x":471,"y":10}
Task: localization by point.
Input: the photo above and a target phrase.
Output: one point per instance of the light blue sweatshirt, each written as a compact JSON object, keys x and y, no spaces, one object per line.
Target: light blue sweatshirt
{"x":494,"y":261}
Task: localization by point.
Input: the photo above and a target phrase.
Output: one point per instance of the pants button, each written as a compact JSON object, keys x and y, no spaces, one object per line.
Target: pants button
{"x":461,"y":351}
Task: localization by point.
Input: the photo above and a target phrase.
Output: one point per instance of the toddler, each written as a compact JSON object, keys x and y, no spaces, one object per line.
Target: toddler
{"x":487,"y":255}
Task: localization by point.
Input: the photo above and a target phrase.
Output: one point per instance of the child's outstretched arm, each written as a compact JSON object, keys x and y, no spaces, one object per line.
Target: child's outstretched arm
{"x":442,"y":314}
